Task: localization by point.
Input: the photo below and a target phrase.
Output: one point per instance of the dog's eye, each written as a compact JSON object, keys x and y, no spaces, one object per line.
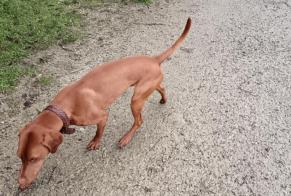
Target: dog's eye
{"x":33,"y":160}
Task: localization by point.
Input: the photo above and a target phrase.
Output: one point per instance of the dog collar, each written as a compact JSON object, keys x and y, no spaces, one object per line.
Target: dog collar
{"x":63,"y":116}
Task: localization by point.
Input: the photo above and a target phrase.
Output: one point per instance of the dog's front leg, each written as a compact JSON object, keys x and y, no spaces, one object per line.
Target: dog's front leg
{"x":95,"y":142}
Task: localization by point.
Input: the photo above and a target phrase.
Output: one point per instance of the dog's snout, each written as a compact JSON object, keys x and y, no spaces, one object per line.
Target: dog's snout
{"x":22,"y":183}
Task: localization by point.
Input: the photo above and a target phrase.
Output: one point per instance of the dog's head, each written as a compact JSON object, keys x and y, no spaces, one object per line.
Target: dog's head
{"x":35,"y":143}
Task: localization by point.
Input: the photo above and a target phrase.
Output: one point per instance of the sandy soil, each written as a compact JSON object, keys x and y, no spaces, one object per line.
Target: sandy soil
{"x":224,"y":131}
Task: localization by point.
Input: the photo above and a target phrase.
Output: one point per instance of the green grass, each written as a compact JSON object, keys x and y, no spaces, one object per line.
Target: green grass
{"x":45,"y":80}
{"x":28,"y":25}
{"x":94,"y":3}
{"x":85,"y":3}
{"x":9,"y":76}
{"x":147,"y":2}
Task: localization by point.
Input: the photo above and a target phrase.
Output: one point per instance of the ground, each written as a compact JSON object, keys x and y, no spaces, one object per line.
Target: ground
{"x":224,"y":131}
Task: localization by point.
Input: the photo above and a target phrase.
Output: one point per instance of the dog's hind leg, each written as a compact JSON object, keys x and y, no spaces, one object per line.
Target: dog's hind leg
{"x":141,"y":93}
{"x":162,"y":91}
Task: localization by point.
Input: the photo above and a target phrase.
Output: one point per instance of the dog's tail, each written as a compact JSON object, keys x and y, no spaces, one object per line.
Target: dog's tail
{"x":163,"y":56}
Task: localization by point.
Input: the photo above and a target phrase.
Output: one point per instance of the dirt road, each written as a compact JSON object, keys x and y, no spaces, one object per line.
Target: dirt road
{"x":226,"y":129}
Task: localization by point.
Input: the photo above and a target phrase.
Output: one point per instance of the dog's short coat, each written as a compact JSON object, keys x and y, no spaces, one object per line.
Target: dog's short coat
{"x":86,"y":101}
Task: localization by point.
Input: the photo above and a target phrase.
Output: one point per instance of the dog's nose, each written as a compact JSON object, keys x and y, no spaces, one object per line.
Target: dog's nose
{"x":22,"y":183}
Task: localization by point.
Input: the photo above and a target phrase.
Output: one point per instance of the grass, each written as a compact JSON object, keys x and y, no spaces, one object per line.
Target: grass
{"x":147,"y":2}
{"x":85,"y":3}
{"x":28,"y":25}
{"x":45,"y":80}
{"x":94,"y":3}
{"x":9,"y":76}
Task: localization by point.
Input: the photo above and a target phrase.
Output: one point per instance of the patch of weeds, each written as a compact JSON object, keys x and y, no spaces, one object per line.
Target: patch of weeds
{"x":28,"y":25}
{"x":33,"y":24}
{"x":45,"y":80}
{"x":147,"y":2}
{"x":85,"y":3}
{"x":94,"y":3}
{"x":10,"y":74}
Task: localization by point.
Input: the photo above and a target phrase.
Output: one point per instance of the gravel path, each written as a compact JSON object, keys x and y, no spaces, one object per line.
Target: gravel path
{"x":226,"y":129}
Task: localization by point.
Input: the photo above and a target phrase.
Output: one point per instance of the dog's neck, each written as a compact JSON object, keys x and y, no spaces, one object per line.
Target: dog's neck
{"x":49,"y":120}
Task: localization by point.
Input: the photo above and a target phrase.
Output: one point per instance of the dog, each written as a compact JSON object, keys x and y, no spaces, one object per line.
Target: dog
{"x":85,"y":102}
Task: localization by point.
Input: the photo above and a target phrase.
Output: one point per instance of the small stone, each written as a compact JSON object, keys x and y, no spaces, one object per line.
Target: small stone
{"x":41,"y":60}
{"x":8,"y":168}
{"x":24,"y":95}
{"x":147,"y":189}
{"x":27,"y":103}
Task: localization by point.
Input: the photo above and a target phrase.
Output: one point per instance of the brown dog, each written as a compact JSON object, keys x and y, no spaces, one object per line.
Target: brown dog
{"x":85,"y":102}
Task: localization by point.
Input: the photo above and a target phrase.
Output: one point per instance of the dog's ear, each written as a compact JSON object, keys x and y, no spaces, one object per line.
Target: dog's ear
{"x":52,"y":140}
{"x":22,"y":141}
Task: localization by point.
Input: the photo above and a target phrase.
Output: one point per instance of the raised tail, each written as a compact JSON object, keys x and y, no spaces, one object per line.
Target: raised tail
{"x":163,"y":56}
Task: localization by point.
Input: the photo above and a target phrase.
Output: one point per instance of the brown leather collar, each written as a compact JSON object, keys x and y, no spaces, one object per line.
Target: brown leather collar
{"x":63,"y":116}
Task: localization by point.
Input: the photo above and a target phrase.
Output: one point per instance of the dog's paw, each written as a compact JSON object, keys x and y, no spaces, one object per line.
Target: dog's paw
{"x":163,"y":101}
{"x":124,"y":141}
{"x":93,"y":145}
